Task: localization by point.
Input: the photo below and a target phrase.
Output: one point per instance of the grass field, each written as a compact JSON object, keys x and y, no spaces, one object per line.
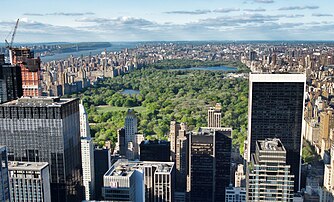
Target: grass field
{"x":107,"y":108}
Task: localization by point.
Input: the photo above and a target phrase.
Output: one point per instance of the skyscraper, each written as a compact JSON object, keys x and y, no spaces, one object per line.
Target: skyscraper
{"x":128,"y":138}
{"x":179,"y":155}
{"x":46,"y":130}
{"x":4,"y":181}
{"x":157,"y":150}
{"x":10,"y":82}
{"x":139,"y":181}
{"x":30,"y":70}
{"x":235,"y":194}
{"x":130,"y":125}
{"x":87,"y":155}
{"x":29,"y":181}
{"x":276,"y":105}
{"x":268,"y":175}
{"x":214,"y":116}
{"x":209,"y":164}
{"x":102,"y":162}
{"x":328,"y":189}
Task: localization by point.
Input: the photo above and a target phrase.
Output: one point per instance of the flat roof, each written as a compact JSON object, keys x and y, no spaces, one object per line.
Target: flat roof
{"x":295,"y":77}
{"x":38,"y":101}
{"x":26,"y":166}
{"x":270,"y":145}
{"x":125,"y":168}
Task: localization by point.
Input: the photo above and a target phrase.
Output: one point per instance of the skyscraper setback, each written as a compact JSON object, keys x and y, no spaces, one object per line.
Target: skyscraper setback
{"x":46,"y":130}
{"x":214,"y":116}
{"x":276,"y":110}
{"x":268,"y":176}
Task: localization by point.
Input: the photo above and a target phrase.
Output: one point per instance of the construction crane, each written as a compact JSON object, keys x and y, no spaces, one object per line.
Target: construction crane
{"x":9,"y":45}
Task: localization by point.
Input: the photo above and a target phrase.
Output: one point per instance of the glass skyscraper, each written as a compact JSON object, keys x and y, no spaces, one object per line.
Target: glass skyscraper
{"x":276,"y":110}
{"x":46,"y":129}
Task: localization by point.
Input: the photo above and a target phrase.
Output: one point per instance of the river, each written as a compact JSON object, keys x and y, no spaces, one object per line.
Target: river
{"x":114,"y":47}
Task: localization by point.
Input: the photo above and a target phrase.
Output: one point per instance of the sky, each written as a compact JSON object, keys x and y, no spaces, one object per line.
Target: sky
{"x":166,"y":20}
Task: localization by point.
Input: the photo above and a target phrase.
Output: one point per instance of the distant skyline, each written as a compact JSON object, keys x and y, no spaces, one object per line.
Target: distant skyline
{"x":172,"y":20}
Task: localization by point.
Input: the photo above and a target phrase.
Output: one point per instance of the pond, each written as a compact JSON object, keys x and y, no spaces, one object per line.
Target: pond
{"x":130,"y":92}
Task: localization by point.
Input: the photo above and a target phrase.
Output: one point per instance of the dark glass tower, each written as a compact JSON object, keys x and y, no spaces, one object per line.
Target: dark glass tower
{"x":210,"y":164}
{"x":276,"y":108}
{"x":157,"y":150}
{"x":102,"y":163}
{"x":4,"y":180}
{"x":46,"y":130}
{"x":10,"y":82}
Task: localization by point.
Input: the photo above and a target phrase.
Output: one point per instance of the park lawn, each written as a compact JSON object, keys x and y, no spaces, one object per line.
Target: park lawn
{"x":107,"y":108}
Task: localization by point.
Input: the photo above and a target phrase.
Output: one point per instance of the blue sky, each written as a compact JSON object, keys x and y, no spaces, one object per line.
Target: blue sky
{"x":150,"y":20}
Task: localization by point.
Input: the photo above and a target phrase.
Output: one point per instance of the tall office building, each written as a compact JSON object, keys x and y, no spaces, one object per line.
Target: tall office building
{"x":252,"y":55}
{"x":102,"y":162}
{"x":130,"y":125}
{"x":214,"y":116}
{"x":157,"y":150}
{"x":239,"y":176}
{"x":209,"y":164}
{"x":139,"y":181}
{"x":276,"y":105}
{"x":268,"y":175}
{"x":10,"y":82}
{"x":326,"y":124}
{"x":2,"y":59}
{"x":87,"y":155}
{"x":129,"y":138}
{"x":29,"y":181}
{"x":179,"y":155}
{"x":4,"y":181}
{"x":84,"y":124}
{"x":328,"y":188}
{"x":46,"y":130}
{"x":30,"y":70}
{"x":121,"y":145}
{"x":235,"y":194}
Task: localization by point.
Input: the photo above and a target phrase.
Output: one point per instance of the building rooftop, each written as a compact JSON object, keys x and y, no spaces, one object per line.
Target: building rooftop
{"x":270,"y":145}
{"x":212,"y":129}
{"x":154,"y":142}
{"x":29,"y":166}
{"x":123,"y":167}
{"x":38,"y":101}
{"x":286,"y":77}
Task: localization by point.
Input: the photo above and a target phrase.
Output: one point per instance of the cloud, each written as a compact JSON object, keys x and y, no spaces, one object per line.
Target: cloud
{"x":255,"y":10}
{"x":293,"y":16}
{"x":264,"y":1}
{"x":195,"y":12}
{"x":37,"y":31}
{"x":226,"y":10}
{"x":246,"y":26}
{"x":290,"y":8}
{"x":321,"y":15}
{"x":33,"y":14}
{"x":59,"y":14}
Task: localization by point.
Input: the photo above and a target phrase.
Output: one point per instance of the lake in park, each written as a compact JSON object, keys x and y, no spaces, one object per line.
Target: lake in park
{"x":130,"y":92}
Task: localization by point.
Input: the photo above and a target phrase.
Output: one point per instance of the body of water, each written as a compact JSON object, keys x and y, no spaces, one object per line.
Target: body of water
{"x":130,"y":92}
{"x":112,"y":48}
{"x":215,"y":68}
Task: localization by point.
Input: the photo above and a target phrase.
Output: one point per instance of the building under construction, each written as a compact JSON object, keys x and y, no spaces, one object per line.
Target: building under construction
{"x":30,"y":70}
